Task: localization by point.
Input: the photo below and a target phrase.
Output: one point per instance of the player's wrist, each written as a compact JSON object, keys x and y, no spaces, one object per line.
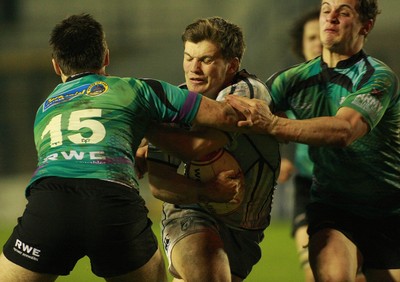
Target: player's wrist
{"x":273,"y":125}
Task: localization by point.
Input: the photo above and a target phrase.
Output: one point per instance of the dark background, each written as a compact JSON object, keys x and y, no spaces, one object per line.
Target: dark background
{"x":144,"y":39}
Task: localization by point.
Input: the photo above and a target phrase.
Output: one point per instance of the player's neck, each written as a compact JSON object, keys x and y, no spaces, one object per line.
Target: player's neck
{"x":78,"y":75}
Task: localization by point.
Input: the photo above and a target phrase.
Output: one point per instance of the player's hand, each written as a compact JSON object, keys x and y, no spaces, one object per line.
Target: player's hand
{"x":228,"y":186}
{"x":258,"y":116}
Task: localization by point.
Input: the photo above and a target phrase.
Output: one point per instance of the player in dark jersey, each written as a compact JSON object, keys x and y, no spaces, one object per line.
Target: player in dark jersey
{"x":202,"y":245}
{"x":347,"y":108}
{"x":83,"y":198}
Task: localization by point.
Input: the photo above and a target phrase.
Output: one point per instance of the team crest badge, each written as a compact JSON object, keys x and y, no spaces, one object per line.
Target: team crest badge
{"x":97,"y":88}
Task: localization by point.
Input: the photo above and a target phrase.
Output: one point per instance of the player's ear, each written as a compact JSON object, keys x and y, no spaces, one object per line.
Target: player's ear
{"x":367,"y":27}
{"x":107,"y":58}
{"x":234,"y":65}
{"x":56,"y":67}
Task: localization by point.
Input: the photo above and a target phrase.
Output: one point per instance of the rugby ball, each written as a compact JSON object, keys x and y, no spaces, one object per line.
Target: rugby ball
{"x":209,"y":167}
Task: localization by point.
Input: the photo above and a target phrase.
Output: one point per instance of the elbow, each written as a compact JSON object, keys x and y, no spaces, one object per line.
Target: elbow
{"x":342,"y":143}
{"x":157,"y":193}
{"x":194,"y":149}
{"x":154,"y":191}
{"x":203,"y":149}
{"x":349,"y":126}
{"x":344,"y":138}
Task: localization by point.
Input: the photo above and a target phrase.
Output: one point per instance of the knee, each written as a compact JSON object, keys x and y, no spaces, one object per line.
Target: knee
{"x":207,"y":275}
{"x":334,"y":275}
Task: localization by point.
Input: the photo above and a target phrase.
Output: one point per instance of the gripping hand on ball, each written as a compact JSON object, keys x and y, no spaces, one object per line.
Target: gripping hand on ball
{"x":226,"y":187}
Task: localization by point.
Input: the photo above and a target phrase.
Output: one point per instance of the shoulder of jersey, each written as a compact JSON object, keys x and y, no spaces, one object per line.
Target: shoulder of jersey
{"x":183,"y":86}
{"x":247,"y":85}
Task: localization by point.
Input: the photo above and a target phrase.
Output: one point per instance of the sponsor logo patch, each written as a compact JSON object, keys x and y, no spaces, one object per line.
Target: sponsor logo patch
{"x":64,"y":97}
{"x":95,"y":89}
{"x":26,"y":250}
{"x":368,"y":102}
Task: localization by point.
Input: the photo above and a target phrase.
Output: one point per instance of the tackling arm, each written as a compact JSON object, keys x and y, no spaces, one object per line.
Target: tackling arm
{"x":220,"y":115}
{"x":341,"y":130}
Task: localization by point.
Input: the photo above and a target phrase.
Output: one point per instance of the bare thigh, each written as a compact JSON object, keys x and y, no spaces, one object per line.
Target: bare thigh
{"x":201,"y":256}
{"x":301,"y":238}
{"x":333,"y":257}
{"x":152,"y":271}
{"x":11,"y":272}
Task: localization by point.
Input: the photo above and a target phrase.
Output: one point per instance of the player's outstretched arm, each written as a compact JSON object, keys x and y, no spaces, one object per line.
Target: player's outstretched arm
{"x":341,"y":130}
{"x":257,"y":114}
{"x":220,"y":115}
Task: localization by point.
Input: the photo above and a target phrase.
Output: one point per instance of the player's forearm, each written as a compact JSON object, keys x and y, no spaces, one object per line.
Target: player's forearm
{"x":169,"y":186}
{"x":176,"y":190}
{"x":321,"y":131}
{"x":217,"y":115}
{"x":341,"y":130}
{"x":178,"y":196}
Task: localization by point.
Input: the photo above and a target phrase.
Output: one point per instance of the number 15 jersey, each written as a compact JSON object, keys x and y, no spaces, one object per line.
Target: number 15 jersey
{"x":91,"y":127}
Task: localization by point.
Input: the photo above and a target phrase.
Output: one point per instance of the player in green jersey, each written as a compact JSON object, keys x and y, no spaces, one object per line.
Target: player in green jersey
{"x":201,"y":244}
{"x":347,"y":108}
{"x":83,"y":198}
{"x":306,"y":45}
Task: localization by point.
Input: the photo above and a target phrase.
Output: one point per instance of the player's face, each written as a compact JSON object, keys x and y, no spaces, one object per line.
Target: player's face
{"x":341,"y":28}
{"x":206,"y":71}
{"x":311,"y":41}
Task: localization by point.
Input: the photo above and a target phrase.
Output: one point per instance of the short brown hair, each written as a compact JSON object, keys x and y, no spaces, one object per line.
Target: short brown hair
{"x":78,"y":44}
{"x":368,"y":10}
{"x":226,"y":35}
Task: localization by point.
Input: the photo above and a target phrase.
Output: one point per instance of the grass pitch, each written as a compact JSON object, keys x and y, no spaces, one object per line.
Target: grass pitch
{"x":278,"y":262}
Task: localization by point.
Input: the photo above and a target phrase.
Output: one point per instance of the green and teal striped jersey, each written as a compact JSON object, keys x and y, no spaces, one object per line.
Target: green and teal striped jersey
{"x":365,"y":176}
{"x":91,"y":127}
{"x":302,"y":161}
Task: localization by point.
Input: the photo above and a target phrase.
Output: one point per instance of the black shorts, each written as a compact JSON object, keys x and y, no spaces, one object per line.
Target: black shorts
{"x":377,"y":239}
{"x":66,"y":219}
{"x":302,"y":186}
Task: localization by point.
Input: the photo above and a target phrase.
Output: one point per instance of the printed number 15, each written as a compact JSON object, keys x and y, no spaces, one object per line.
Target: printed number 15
{"x":77,"y":120}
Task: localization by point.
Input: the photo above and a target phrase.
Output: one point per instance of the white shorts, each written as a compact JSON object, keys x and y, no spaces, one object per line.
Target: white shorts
{"x":241,"y":246}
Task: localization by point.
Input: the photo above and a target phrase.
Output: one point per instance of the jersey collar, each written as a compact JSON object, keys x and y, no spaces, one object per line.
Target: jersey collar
{"x":348,"y":62}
